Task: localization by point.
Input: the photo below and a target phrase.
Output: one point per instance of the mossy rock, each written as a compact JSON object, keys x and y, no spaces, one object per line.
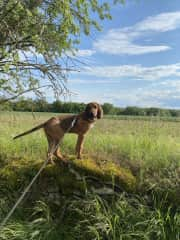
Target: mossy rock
{"x":66,"y":180}
{"x":109,"y":171}
{"x":74,"y":177}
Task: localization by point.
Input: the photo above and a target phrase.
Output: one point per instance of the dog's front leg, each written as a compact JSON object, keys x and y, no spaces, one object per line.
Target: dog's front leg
{"x":79,"y":146}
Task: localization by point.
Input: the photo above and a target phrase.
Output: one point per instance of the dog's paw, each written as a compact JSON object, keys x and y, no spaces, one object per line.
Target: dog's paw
{"x":51,"y":162}
{"x":63,"y":161}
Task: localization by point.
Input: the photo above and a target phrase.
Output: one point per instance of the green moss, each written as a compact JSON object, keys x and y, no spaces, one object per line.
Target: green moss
{"x":67,"y":179}
{"x":122,"y":176}
{"x":107,"y":172}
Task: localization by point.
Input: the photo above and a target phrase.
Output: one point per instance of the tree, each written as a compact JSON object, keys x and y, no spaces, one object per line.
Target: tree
{"x":35,"y":36}
{"x":108,"y":108}
{"x":153,"y":111}
{"x":174,"y":113}
{"x":56,"y":106}
{"x":135,"y":111}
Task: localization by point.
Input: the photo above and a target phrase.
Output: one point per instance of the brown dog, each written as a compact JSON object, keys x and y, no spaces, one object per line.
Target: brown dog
{"x":56,"y":127}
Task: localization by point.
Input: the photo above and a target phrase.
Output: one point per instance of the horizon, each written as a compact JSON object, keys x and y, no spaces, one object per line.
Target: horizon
{"x":114,"y":106}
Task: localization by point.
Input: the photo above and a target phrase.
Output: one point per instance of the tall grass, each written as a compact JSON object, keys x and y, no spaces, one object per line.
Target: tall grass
{"x":96,"y":218}
{"x":149,"y":148}
{"x":153,"y":143}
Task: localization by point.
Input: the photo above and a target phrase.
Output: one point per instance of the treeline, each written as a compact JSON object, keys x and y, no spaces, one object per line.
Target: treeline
{"x":41,"y":105}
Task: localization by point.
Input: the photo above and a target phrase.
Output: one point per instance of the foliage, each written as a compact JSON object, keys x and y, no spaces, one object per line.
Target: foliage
{"x":41,"y":105}
{"x":108,"y":108}
{"x":35,"y":37}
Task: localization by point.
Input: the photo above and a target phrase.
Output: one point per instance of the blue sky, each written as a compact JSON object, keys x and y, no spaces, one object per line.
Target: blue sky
{"x":135,"y":59}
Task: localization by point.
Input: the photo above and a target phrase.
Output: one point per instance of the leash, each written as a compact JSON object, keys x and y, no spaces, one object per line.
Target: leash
{"x":3,"y":223}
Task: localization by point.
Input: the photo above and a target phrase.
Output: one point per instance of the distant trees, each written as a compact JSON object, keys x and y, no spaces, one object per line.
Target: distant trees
{"x":41,"y":105}
{"x":108,"y":108}
{"x":174,"y":113}
{"x":135,"y":111}
{"x":67,"y":107}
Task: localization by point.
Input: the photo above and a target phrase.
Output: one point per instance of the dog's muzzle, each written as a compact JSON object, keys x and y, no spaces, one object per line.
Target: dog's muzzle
{"x":92,"y":116}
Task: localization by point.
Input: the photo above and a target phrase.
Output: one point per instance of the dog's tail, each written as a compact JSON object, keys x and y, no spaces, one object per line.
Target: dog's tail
{"x":30,"y":131}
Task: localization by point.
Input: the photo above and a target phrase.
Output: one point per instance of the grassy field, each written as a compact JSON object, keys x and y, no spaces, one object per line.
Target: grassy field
{"x":127,"y":185}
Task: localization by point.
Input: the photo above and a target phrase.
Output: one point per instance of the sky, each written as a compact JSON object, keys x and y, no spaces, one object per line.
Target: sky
{"x":134,"y":60}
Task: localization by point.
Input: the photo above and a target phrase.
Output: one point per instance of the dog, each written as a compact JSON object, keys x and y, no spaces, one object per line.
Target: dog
{"x":56,"y":127}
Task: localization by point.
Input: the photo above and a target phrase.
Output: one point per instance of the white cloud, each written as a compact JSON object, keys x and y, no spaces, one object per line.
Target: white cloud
{"x":147,"y":97}
{"x":121,"y":40}
{"x":162,"y":93}
{"x":85,"y":52}
{"x":160,"y":23}
{"x":158,"y":96}
{"x":137,"y":72}
{"x":123,"y":98}
{"x":171,"y":83}
{"x":91,"y":81}
{"x":80,"y":53}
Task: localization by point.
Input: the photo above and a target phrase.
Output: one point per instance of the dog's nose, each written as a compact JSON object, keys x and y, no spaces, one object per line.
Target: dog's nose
{"x":91,"y":114}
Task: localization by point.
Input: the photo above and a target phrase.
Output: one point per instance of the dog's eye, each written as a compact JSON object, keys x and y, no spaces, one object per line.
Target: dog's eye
{"x":95,"y":106}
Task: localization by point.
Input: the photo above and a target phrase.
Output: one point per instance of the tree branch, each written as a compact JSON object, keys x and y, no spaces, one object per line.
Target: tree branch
{"x":21,"y":93}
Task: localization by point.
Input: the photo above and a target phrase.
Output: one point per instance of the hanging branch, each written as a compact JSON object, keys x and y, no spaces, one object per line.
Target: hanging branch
{"x":21,"y":93}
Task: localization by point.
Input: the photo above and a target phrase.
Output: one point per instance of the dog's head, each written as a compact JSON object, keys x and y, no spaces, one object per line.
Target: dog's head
{"x":93,"y":111}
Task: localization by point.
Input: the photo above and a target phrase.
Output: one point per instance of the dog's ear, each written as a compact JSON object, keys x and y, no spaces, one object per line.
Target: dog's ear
{"x":100,"y":112}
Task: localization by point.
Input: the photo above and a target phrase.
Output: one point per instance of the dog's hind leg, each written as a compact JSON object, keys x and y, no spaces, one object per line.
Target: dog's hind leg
{"x":58,"y":154}
{"x":52,"y":148}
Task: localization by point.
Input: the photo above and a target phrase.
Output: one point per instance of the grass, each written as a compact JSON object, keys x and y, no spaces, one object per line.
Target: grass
{"x":125,"y":187}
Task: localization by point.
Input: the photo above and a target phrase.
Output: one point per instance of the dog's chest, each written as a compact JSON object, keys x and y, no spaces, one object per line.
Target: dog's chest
{"x":82,"y":126}
{"x":91,"y":125}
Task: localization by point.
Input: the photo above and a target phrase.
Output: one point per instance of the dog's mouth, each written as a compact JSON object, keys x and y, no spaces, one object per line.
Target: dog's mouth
{"x":92,"y":116}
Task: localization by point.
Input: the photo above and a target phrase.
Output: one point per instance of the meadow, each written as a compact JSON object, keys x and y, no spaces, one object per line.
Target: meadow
{"x":127,"y":186}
